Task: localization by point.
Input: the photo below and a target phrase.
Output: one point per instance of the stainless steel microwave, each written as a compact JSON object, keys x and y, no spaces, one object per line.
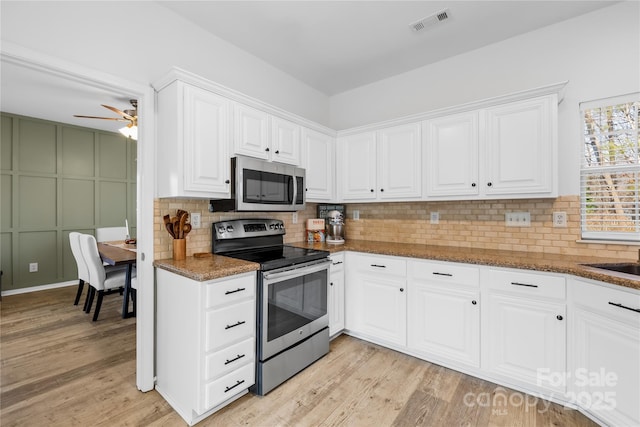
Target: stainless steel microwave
{"x":258,"y":185}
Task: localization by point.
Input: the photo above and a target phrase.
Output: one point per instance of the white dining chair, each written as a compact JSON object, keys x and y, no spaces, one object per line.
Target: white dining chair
{"x":110,"y":234}
{"x":83,"y":271}
{"x":100,"y":280}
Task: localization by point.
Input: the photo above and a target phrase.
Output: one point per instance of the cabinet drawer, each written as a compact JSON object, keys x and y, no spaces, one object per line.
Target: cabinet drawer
{"x":229,"y":290}
{"x":612,"y":302}
{"x":228,"y":359}
{"x":381,"y":265}
{"x":229,"y":324}
{"x":228,"y":386}
{"x":337,"y":262}
{"x":444,"y":272}
{"x":531,"y":284}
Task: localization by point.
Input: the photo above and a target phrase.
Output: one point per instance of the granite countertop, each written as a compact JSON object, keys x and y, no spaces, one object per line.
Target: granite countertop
{"x":511,"y":259}
{"x":217,"y":266}
{"x":208,"y":268}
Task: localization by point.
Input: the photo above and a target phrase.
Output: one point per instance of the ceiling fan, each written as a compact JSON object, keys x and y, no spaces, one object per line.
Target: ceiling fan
{"x":131,"y":116}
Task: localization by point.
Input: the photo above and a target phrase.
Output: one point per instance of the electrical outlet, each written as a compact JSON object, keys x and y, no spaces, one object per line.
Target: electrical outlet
{"x":294,"y":218}
{"x":559,"y":219}
{"x":435,"y":217}
{"x":517,"y":219}
{"x":33,"y":267}
{"x":195,"y":219}
{"x":356,"y":214}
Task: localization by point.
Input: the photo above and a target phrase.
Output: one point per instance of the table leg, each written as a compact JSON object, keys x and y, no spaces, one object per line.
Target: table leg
{"x":127,"y":292}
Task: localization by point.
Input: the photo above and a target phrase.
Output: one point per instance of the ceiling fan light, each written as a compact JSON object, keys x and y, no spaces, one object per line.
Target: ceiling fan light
{"x":130,"y":132}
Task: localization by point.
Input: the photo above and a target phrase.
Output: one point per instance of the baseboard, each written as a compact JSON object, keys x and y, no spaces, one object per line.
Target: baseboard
{"x":38,"y":288}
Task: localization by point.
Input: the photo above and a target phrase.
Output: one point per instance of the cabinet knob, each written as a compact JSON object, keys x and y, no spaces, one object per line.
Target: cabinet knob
{"x":227,"y":181}
{"x":372,"y":190}
{"x":474,"y":302}
{"x":266,"y":149}
{"x":331,"y":284}
{"x":306,"y":189}
{"x":473,"y":184}
{"x":277,"y":151}
{"x":382,"y":190}
{"x":401,"y":289}
{"x":559,"y":317}
{"x":489,"y":184}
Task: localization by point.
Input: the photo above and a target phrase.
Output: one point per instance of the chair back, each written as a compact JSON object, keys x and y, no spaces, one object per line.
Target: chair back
{"x":91,"y":255}
{"x":108,"y":234}
{"x":74,"y":242}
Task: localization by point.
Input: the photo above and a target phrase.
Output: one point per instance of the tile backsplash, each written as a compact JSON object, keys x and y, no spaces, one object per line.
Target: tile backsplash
{"x":471,"y":224}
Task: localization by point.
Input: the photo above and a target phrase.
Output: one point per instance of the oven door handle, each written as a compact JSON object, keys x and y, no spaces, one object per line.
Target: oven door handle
{"x":297,"y":271}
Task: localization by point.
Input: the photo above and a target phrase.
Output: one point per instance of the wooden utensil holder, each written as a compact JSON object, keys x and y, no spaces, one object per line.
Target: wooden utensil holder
{"x":179,"y":249}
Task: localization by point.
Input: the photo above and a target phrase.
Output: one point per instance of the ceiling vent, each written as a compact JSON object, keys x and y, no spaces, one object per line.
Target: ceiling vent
{"x":430,"y":21}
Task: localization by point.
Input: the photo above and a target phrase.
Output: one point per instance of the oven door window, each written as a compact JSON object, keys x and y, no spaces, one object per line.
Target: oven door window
{"x":267,"y":187}
{"x":296,"y":302}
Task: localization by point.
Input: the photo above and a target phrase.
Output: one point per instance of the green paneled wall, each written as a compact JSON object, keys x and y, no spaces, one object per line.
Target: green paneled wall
{"x":56,"y":178}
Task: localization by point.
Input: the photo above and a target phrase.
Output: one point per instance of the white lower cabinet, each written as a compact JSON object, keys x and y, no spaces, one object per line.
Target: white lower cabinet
{"x":205,"y":341}
{"x":376,"y":298}
{"x":443,"y":312}
{"x":524,"y":328}
{"x":336,"y":294}
{"x":604,"y":375}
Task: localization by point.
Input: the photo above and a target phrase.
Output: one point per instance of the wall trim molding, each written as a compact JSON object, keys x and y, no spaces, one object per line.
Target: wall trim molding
{"x":38,"y":288}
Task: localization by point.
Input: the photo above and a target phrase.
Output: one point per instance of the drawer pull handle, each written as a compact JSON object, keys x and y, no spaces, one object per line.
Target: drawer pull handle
{"x":336,"y":263}
{"x":378,"y":266}
{"x":637,"y":310}
{"x":524,"y":284}
{"x":240,"y":356}
{"x":237,"y":290}
{"x":235,"y":324}
{"x":442,"y":274}
{"x":233,"y":386}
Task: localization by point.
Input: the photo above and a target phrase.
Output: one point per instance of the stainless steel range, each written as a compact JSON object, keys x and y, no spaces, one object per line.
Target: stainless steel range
{"x":292,"y":318}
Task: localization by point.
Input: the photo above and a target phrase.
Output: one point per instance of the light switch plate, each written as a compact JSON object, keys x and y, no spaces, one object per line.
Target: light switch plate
{"x":294,"y":218}
{"x":195,"y":220}
{"x":435,"y":217}
{"x":517,"y":219}
{"x":356,"y":214}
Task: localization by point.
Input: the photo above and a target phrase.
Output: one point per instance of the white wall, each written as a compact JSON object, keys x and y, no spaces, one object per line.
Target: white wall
{"x":598,"y":53}
{"x":141,"y":41}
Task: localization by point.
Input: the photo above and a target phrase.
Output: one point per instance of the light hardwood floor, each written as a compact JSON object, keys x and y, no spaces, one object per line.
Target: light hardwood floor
{"x":61,"y":369}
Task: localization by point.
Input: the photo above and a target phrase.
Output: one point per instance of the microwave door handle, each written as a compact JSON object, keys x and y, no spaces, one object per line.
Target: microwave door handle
{"x":293,"y":184}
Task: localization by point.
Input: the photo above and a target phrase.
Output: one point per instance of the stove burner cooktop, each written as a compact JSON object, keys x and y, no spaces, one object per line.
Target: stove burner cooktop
{"x":273,"y":257}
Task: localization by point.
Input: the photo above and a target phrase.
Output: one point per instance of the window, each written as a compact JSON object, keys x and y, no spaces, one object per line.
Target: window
{"x":610,"y":172}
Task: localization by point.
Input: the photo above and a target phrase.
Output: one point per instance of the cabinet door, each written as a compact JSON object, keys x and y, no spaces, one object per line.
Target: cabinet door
{"x":206,"y":138}
{"x":336,"y":302}
{"x":357,"y":166}
{"x":318,"y":161}
{"x":399,"y":162}
{"x":520,"y":148}
{"x":382,"y":308}
{"x":285,"y":141}
{"x":451,"y":158}
{"x":251,"y":136}
{"x":445,"y":322}
{"x":524,"y":340}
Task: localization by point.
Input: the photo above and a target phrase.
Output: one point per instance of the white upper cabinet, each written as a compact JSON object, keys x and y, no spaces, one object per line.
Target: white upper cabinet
{"x":251,"y":132}
{"x":357,"y":167}
{"x":261,"y":135}
{"x":399,"y":162}
{"x":319,"y":162}
{"x":193,"y":135}
{"x":505,"y":151}
{"x":451,"y":155}
{"x":382,"y":165}
{"x":285,"y":141}
{"x":520,"y":148}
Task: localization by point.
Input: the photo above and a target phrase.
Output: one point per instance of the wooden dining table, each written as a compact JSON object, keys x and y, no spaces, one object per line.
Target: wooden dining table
{"x":120,"y":253}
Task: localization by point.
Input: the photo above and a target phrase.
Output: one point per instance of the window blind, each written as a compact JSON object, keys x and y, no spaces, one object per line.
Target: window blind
{"x":610,"y":172}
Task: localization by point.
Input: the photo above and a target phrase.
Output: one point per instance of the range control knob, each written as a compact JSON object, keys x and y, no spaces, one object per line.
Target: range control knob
{"x":221,"y":229}
{"x":281,"y":226}
{"x":230,"y":228}
{"x":271,"y":226}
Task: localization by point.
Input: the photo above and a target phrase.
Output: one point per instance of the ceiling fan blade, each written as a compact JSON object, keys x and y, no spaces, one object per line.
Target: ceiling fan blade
{"x":115,"y":110}
{"x":103,"y":118}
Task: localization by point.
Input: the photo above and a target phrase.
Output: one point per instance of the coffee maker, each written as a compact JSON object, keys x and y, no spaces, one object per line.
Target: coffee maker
{"x":335,"y":227}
